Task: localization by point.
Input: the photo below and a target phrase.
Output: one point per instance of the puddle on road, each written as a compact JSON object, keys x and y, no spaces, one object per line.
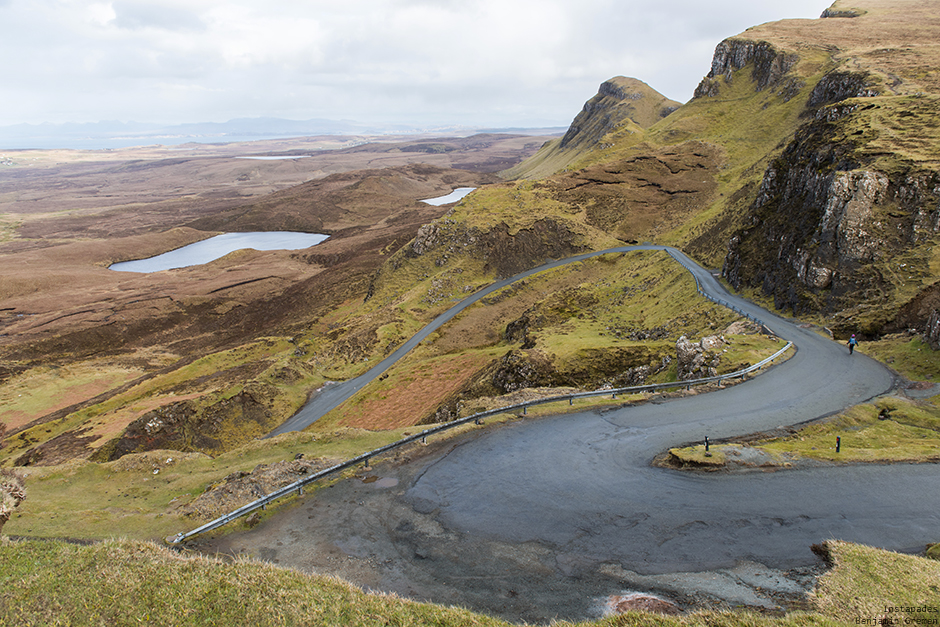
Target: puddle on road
{"x":384,"y":482}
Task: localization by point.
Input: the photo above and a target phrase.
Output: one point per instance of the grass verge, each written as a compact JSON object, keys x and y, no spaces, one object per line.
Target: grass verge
{"x":890,"y":430}
{"x":865,"y":583}
{"x":909,"y":356}
{"x":139,"y":496}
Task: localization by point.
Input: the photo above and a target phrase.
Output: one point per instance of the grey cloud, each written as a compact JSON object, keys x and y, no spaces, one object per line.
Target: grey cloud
{"x":486,"y":62}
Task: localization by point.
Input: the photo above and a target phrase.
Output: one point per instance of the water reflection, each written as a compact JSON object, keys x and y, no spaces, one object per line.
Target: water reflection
{"x":454,"y":196}
{"x":215,"y":247}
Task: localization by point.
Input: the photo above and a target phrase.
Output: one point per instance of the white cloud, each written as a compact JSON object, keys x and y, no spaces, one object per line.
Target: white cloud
{"x":499,"y":62}
{"x":143,"y":15}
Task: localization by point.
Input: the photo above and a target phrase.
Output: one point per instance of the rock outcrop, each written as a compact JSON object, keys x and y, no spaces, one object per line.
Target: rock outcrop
{"x":243,"y":487}
{"x":831,"y":12}
{"x":822,"y":220}
{"x":12,"y":493}
{"x":920,"y":316}
{"x":769,"y":65}
{"x":640,"y":602}
{"x":698,"y":360}
{"x":932,"y":330}
{"x":504,"y":252}
{"x":830,"y":208}
{"x":837,"y":86}
{"x":187,"y":426}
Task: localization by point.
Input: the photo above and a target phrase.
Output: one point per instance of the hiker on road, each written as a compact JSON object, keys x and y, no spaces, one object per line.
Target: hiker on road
{"x":852,"y":344}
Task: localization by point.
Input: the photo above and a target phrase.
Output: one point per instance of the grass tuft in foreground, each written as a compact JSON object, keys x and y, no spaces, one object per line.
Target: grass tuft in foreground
{"x":127,"y":582}
{"x":866,"y":582}
{"x":122,"y":582}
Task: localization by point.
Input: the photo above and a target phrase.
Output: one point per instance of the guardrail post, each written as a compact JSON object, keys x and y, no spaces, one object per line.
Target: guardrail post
{"x":478,"y":421}
{"x":525,"y":409}
{"x":570,"y":400}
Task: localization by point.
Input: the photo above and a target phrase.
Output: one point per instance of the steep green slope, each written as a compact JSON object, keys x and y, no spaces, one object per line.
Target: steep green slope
{"x":806,"y":165}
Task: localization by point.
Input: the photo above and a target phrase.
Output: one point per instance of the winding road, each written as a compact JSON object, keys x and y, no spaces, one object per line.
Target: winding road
{"x":567,"y":507}
{"x":332,"y":396}
{"x":848,"y":386}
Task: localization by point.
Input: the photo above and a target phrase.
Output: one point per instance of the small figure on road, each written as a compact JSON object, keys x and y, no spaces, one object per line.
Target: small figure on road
{"x":852,"y":344}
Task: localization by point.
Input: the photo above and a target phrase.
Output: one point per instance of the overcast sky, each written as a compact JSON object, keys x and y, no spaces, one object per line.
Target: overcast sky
{"x":428,"y":62}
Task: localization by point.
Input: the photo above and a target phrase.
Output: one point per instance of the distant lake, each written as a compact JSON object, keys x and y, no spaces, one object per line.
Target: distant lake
{"x":276,"y":157}
{"x":454,"y":196}
{"x":215,"y":247}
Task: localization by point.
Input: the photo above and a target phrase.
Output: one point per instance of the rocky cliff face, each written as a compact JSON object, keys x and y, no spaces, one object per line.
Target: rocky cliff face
{"x":769,"y":65}
{"x":827,"y":222}
{"x":843,"y":216}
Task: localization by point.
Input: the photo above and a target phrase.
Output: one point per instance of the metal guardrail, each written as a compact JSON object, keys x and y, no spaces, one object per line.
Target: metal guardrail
{"x":298,"y":486}
{"x":719,"y":301}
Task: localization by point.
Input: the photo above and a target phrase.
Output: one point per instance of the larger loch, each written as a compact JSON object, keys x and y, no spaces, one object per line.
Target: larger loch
{"x":216,"y":247}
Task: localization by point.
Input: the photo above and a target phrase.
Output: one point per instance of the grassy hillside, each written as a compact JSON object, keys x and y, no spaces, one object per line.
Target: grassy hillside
{"x":622,"y":103}
{"x":154,"y":495}
{"x":805,"y":165}
{"x":46,"y":583}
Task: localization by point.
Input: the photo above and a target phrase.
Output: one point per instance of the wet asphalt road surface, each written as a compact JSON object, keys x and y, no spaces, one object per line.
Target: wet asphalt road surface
{"x":542,"y":518}
{"x":507,"y":521}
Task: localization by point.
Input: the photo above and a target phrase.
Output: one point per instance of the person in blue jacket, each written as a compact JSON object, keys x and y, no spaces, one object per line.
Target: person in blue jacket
{"x":852,"y":344}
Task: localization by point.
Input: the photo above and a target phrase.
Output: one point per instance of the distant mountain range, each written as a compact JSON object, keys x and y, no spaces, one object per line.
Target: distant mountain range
{"x":113,"y":134}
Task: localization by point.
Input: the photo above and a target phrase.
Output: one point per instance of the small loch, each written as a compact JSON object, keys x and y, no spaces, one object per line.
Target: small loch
{"x":454,"y":196}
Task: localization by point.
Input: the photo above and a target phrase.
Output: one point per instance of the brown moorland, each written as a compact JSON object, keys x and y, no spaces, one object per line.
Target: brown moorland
{"x":65,"y":216}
